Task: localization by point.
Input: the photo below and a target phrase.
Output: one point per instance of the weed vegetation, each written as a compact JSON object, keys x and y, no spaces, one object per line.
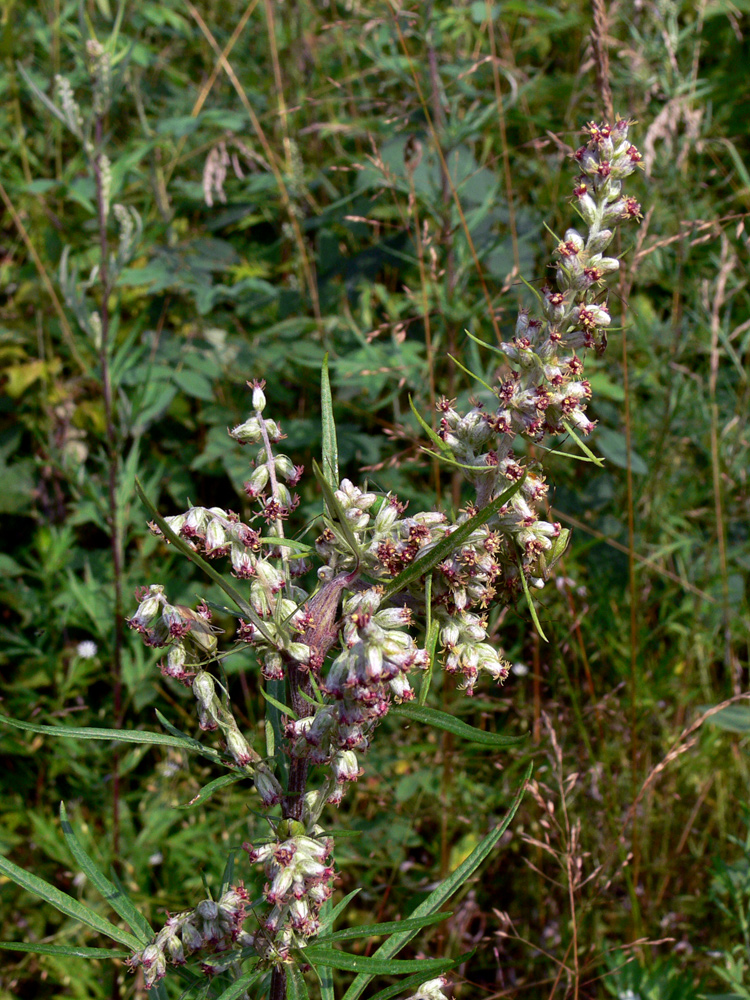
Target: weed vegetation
{"x":198,"y":196}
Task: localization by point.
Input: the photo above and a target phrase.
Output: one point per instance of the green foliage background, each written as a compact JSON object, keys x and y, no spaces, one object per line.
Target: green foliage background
{"x":337,"y":229}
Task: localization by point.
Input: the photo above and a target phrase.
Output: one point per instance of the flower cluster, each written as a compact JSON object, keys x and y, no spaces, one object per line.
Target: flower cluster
{"x":299,"y":882}
{"x":188,"y":633}
{"x":372,"y":668}
{"x":212,"y":928}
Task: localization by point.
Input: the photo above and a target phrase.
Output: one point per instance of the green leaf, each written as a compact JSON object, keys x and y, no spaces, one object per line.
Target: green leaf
{"x":733,"y":718}
{"x":67,"y":904}
{"x":333,"y":913}
{"x":471,"y":374}
{"x":441,"y":720}
{"x":296,"y":987}
{"x":403,"y":985}
{"x":443,"y":892}
{"x":371,"y":966}
{"x":432,"y":631}
{"x":70,"y":951}
{"x":584,"y":447}
{"x":116,"y":735}
{"x":450,"y":543}
{"x":431,"y":434}
{"x":284,"y":709}
{"x":213,"y":786}
{"x":115,"y":896}
{"x":330,"y":454}
{"x":389,"y":927}
{"x":336,"y":512}
{"x":207,"y":568}
{"x":532,"y":606}
{"x":239,"y":986}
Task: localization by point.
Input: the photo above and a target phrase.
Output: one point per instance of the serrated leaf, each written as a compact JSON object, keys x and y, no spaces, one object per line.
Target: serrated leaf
{"x":111,"y":893}
{"x":441,"y":720}
{"x":450,"y":543}
{"x":67,"y":904}
{"x":444,"y":891}
{"x":330,"y":455}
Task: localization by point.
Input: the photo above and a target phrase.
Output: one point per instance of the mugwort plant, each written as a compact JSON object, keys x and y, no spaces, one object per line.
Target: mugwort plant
{"x":395,"y":595}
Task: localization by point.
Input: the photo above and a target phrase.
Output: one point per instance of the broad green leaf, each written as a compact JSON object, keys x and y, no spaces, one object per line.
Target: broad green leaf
{"x":373,"y":966}
{"x":330,"y":454}
{"x":441,"y":720}
{"x":67,"y":904}
{"x":115,"y":896}
{"x":389,"y":927}
{"x":206,"y":567}
{"x":70,"y":951}
{"x":450,"y":543}
{"x":116,"y":735}
{"x":733,"y":718}
{"x":444,"y":891}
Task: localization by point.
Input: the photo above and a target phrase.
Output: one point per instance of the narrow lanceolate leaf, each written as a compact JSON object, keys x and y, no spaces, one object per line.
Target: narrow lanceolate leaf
{"x":406,"y":985}
{"x":330,"y":446}
{"x":336,"y":512}
{"x":119,"y":735}
{"x":67,"y":904}
{"x":390,"y":927}
{"x":431,"y":434}
{"x":296,"y":987}
{"x":239,"y":986}
{"x":532,"y":606}
{"x":68,"y":950}
{"x":590,"y":456}
{"x":372,"y":966}
{"x":471,"y":374}
{"x":181,"y":545}
{"x":115,"y":896}
{"x":441,"y":720}
{"x":438,"y":897}
{"x":280,"y":706}
{"x":450,"y":543}
{"x":213,"y":786}
{"x":330,"y":914}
